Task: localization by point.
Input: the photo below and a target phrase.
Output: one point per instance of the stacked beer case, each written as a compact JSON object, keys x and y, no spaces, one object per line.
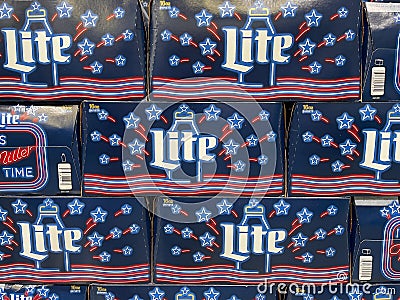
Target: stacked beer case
{"x":187,"y":149}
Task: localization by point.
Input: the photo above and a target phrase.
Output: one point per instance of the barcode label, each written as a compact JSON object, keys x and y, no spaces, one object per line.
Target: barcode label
{"x":365,"y":268}
{"x":378,"y":81}
{"x":64,"y":177}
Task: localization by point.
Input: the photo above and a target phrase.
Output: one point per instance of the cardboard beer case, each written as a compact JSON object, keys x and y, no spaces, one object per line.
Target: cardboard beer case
{"x":263,"y":50}
{"x":344,"y":149}
{"x":54,"y":50}
{"x":39,"y":150}
{"x":74,"y":240}
{"x":249,"y":241}
{"x":382,"y":50}
{"x":178,"y":292}
{"x":376,"y":248}
{"x":52,"y":292}
{"x":153,"y":148}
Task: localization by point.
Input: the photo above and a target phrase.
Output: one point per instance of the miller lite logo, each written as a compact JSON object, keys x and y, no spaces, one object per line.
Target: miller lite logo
{"x":381,"y":148}
{"x":183,"y":142}
{"x":48,"y":235}
{"x":24,"y":49}
{"x":247,"y":46}
{"x":253,"y":236}
{"x":19,"y":296}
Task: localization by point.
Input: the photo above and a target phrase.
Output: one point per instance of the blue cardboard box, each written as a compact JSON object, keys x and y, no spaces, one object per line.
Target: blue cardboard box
{"x":178,"y":292}
{"x":266,"y":50}
{"x":74,"y":240}
{"x":67,"y":49}
{"x":376,"y":248}
{"x":251,"y":241}
{"x":344,"y":149}
{"x":153,"y":148}
{"x":351,"y":292}
{"x":39,"y":150}
{"x":382,"y":48}
{"x":52,"y":292}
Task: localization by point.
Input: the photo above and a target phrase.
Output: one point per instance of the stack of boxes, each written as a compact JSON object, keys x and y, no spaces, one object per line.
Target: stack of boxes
{"x":193,"y":150}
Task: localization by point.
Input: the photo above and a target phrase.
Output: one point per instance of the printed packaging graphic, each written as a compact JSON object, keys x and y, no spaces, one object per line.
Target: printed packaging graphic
{"x":248,"y":241}
{"x":350,"y":292}
{"x":39,"y":150}
{"x":52,"y":292}
{"x":344,"y":149}
{"x":176,"y":292}
{"x":71,"y":49}
{"x":153,"y":148}
{"x":376,"y":250}
{"x":269,"y":50}
{"x":382,"y":72}
{"x":74,"y":240}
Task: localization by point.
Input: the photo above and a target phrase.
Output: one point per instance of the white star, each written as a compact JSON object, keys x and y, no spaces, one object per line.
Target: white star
{"x":344,"y":121}
{"x":212,"y":112}
{"x":307,"y":257}
{"x":198,"y":67}
{"x":314,"y":18}
{"x":307,"y":47}
{"x":211,"y":294}
{"x":136,"y":147}
{"x":153,"y":112}
{"x":226,"y":10}
{"x":64,"y":10}
{"x":89,"y":19}
{"x":120,"y":61}
{"x":53,"y":297}
{"x":203,"y":18}
{"x":105,"y":256}
{"x":131,"y":121}
{"x":207,"y":47}
{"x":198,"y":257}
{"x":239,"y":166}
{"x":289,"y":10}
{"x":86,"y":47}
{"x":394,"y":207}
{"x":115,"y":140}
{"x":224,"y":207}
{"x":203,"y":215}
{"x":235,"y":121}
{"x":42,"y":117}
{"x":119,"y":13}
{"x":97,"y":67}
{"x":231,"y":147}
{"x":108,"y":40}
{"x":6,"y":11}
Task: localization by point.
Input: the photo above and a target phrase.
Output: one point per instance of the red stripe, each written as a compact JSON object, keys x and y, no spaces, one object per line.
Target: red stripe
{"x":166,"y":184}
{"x":217,"y":280}
{"x":338,"y":185}
{"x":65,"y":87}
{"x":274,"y":97}
{"x":85,"y":79}
{"x":318,"y":81}
{"x":194,"y":80}
{"x":72,"y":95}
{"x":163,"y":176}
{"x":272,"y":193}
{"x":159,"y":78}
{"x":267,"y":89}
{"x":342,"y":193}
{"x":220,"y":274}
{"x":334,"y":178}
